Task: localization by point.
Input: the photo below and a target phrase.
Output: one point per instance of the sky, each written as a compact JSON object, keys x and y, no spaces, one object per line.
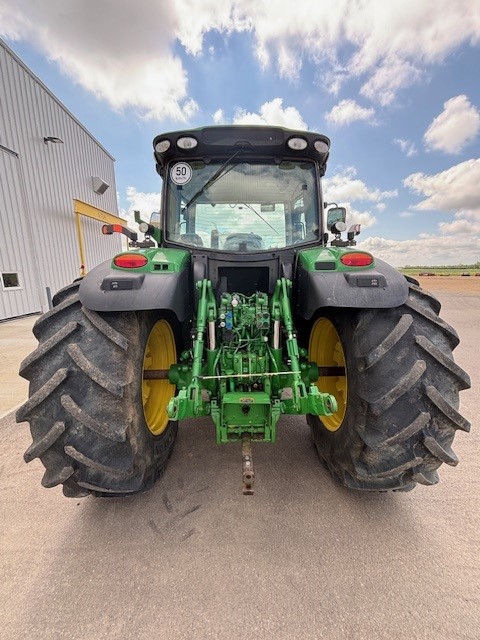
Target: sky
{"x":395,"y":85}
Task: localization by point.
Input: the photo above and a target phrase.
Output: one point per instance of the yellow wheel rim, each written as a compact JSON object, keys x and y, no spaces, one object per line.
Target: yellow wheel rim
{"x":325,"y":348}
{"x":160,"y":353}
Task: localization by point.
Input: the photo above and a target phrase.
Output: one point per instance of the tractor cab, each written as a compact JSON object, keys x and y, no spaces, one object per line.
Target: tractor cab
{"x":241,"y":189}
{"x":242,"y":195}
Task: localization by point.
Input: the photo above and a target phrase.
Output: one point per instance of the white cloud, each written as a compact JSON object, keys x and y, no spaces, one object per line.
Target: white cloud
{"x":347,"y":111}
{"x":465,"y":223}
{"x":455,"y":242}
{"x":195,"y":19}
{"x":219,"y":116}
{"x":429,"y":250}
{"x":272,"y":113}
{"x":333,"y":80}
{"x":406,"y":214}
{"x":392,"y":41}
{"x":120,"y":51}
{"x":393,"y":74}
{"x":453,"y":189}
{"x":345,"y":187}
{"x":124,"y":52}
{"x":146,"y":203}
{"x":359,"y":217}
{"x":455,"y":127}
{"x":406,"y":146}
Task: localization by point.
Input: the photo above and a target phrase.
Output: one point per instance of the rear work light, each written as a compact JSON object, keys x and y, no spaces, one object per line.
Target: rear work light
{"x":130,"y":261}
{"x":297,"y":144}
{"x":321,"y":147}
{"x":187,"y":143}
{"x":162,"y":146}
{"x":356,"y":259}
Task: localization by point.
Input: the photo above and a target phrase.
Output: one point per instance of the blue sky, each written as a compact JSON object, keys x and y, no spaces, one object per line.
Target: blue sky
{"x":395,"y":85}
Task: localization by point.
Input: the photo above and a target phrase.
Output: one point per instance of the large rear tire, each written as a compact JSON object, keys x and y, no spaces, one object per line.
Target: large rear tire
{"x":398,"y":403}
{"x":96,"y":425}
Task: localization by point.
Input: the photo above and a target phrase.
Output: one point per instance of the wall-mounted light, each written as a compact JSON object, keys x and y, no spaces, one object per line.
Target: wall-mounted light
{"x":99,"y":185}
{"x":53,"y":139}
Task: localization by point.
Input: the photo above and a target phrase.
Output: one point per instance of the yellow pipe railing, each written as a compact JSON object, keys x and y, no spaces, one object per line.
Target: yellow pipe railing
{"x":83,"y":209}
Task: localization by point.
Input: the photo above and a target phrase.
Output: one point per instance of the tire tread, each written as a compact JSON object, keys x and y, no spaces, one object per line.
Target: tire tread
{"x":87,"y":426}
{"x":401,"y":425}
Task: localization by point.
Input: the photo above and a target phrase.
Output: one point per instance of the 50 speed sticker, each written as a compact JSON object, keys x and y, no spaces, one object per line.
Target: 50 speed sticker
{"x":181,"y":173}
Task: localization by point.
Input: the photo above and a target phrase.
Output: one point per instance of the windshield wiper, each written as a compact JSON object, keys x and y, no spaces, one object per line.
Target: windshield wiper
{"x":219,"y":173}
{"x":261,"y":217}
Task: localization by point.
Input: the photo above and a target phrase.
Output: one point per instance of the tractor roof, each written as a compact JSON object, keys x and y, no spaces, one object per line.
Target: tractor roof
{"x":257,"y":141}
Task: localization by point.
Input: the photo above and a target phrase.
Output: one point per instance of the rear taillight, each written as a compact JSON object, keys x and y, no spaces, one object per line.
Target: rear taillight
{"x":130,"y":261}
{"x":356,"y":259}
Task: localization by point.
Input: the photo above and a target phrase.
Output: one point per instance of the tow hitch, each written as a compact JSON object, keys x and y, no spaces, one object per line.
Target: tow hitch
{"x":247,"y":461}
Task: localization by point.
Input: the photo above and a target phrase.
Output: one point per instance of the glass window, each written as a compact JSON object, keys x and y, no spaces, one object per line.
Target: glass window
{"x":243,"y":206}
{"x":155,"y":219}
{"x":10,"y":281}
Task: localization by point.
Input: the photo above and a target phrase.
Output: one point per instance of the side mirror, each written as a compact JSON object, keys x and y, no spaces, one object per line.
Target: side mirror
{"x":334,"y":216}
{"x":155,"y":219}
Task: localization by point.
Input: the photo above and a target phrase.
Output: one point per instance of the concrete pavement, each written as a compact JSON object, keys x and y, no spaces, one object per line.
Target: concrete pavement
{"x":16,"y":342}
{"x":194,"y":558}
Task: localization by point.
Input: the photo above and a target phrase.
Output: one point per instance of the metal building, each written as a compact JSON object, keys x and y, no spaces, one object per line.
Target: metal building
{"x":47,"y":159}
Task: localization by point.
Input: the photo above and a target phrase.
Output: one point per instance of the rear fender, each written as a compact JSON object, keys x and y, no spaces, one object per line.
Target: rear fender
{"x":381,"y":287}
{"x":107,"y":289}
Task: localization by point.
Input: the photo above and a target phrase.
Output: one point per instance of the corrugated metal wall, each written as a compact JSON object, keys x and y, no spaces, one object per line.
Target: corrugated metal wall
{"x":15,"y":301}
{"x":53,"y":175}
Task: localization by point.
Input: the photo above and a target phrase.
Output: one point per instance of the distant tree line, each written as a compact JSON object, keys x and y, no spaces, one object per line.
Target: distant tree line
{"x":443,"y":266}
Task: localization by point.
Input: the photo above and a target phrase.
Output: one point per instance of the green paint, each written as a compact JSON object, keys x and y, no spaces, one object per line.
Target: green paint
{"x":245,"y":382}
{"x":309,"y":257}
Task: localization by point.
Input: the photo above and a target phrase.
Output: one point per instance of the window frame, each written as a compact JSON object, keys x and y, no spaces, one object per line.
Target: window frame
{"x":19,"y":278}
{"x":257,"y":160}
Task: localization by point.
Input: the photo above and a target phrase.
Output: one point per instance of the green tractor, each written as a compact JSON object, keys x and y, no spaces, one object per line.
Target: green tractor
{"x":244,"y":302}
